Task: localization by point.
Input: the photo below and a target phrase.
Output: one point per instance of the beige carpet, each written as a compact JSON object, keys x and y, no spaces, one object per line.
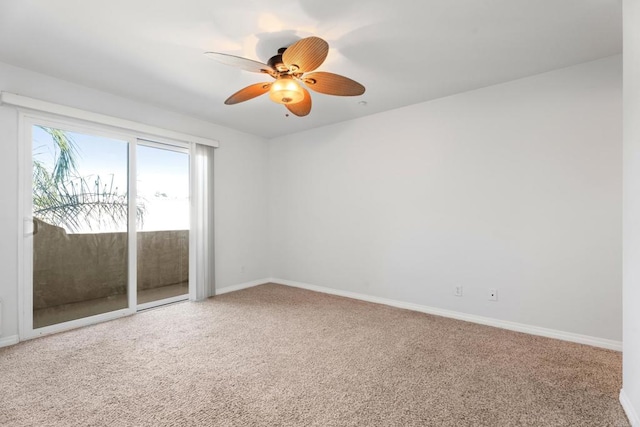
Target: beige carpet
{"x":278,"y":356}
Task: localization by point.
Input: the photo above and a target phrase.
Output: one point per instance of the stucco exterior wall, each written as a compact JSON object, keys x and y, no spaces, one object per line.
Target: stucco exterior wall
{"x":70,"y":268}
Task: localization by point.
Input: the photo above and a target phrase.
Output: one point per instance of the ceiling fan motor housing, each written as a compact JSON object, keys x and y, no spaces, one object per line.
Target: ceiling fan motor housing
{"x":276,"y":61}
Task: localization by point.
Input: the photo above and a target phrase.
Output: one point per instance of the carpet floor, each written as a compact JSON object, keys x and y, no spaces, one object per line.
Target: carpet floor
{"x":279,"y":356}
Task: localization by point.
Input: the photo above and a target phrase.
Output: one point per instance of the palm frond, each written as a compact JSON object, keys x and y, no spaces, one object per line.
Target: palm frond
{"x":64,"y":199}
{"x":66,"y":151}
{"x":84,"y":202}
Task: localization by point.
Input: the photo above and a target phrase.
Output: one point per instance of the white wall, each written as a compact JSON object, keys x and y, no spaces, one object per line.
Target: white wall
{"x":515,"y":187}
{"x":240,"y":181}
{"x":631,"y":261}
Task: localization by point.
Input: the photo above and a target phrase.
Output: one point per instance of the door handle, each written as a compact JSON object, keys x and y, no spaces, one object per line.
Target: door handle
{"x":34,"y":227}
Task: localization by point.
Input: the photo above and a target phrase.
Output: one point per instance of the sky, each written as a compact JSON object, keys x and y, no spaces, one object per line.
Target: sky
{"x":162,"y":176}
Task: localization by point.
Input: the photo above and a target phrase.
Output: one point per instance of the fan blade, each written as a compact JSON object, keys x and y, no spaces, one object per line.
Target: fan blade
{"x":306,"y":54}
{"x":239,"y":62}
{"x":303,"y":107}
{"x":248,"y":93}
{"x":332,"y":84}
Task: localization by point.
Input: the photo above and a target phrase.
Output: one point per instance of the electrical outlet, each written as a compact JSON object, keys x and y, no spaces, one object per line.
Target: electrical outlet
{"x":458,"y":291}
{"x":493,"y":295}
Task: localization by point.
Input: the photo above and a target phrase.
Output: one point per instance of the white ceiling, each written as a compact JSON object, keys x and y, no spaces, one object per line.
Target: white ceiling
{"x":403,"y":51}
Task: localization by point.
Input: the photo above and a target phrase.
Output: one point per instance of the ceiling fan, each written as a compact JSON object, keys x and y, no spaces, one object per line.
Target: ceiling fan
{"x":290,"y":67}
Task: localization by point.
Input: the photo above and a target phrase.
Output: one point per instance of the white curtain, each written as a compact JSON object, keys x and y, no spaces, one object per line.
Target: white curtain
{"x":201,"y":235}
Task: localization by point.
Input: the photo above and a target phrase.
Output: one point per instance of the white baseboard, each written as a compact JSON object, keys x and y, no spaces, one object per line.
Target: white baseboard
{"x":504,"y":324}
{"x":10,"y":340}
{"x":240,"y":286}
{"x":629,"y":410}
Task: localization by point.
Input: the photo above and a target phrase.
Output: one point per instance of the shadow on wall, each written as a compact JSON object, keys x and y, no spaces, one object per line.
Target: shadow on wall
{"x":69,"y":268}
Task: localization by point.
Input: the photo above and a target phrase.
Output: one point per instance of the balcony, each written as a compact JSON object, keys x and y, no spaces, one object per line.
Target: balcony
{"x":80,"y":275}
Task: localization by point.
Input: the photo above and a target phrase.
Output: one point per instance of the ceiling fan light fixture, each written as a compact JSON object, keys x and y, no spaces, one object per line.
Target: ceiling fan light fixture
{"x":285,"y":90}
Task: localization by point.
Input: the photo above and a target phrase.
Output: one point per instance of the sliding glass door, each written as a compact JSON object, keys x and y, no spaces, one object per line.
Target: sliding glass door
{"x":80,"y":210}
{"x":99,"y":244}
{"x":163,"y":235}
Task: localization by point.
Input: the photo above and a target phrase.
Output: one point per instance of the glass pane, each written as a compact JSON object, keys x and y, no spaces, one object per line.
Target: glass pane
{"x":163,"y":236}
{"x":80,"y":225}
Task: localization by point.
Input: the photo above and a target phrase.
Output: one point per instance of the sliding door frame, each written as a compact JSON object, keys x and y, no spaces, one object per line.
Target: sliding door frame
{"x":26,"y":121}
